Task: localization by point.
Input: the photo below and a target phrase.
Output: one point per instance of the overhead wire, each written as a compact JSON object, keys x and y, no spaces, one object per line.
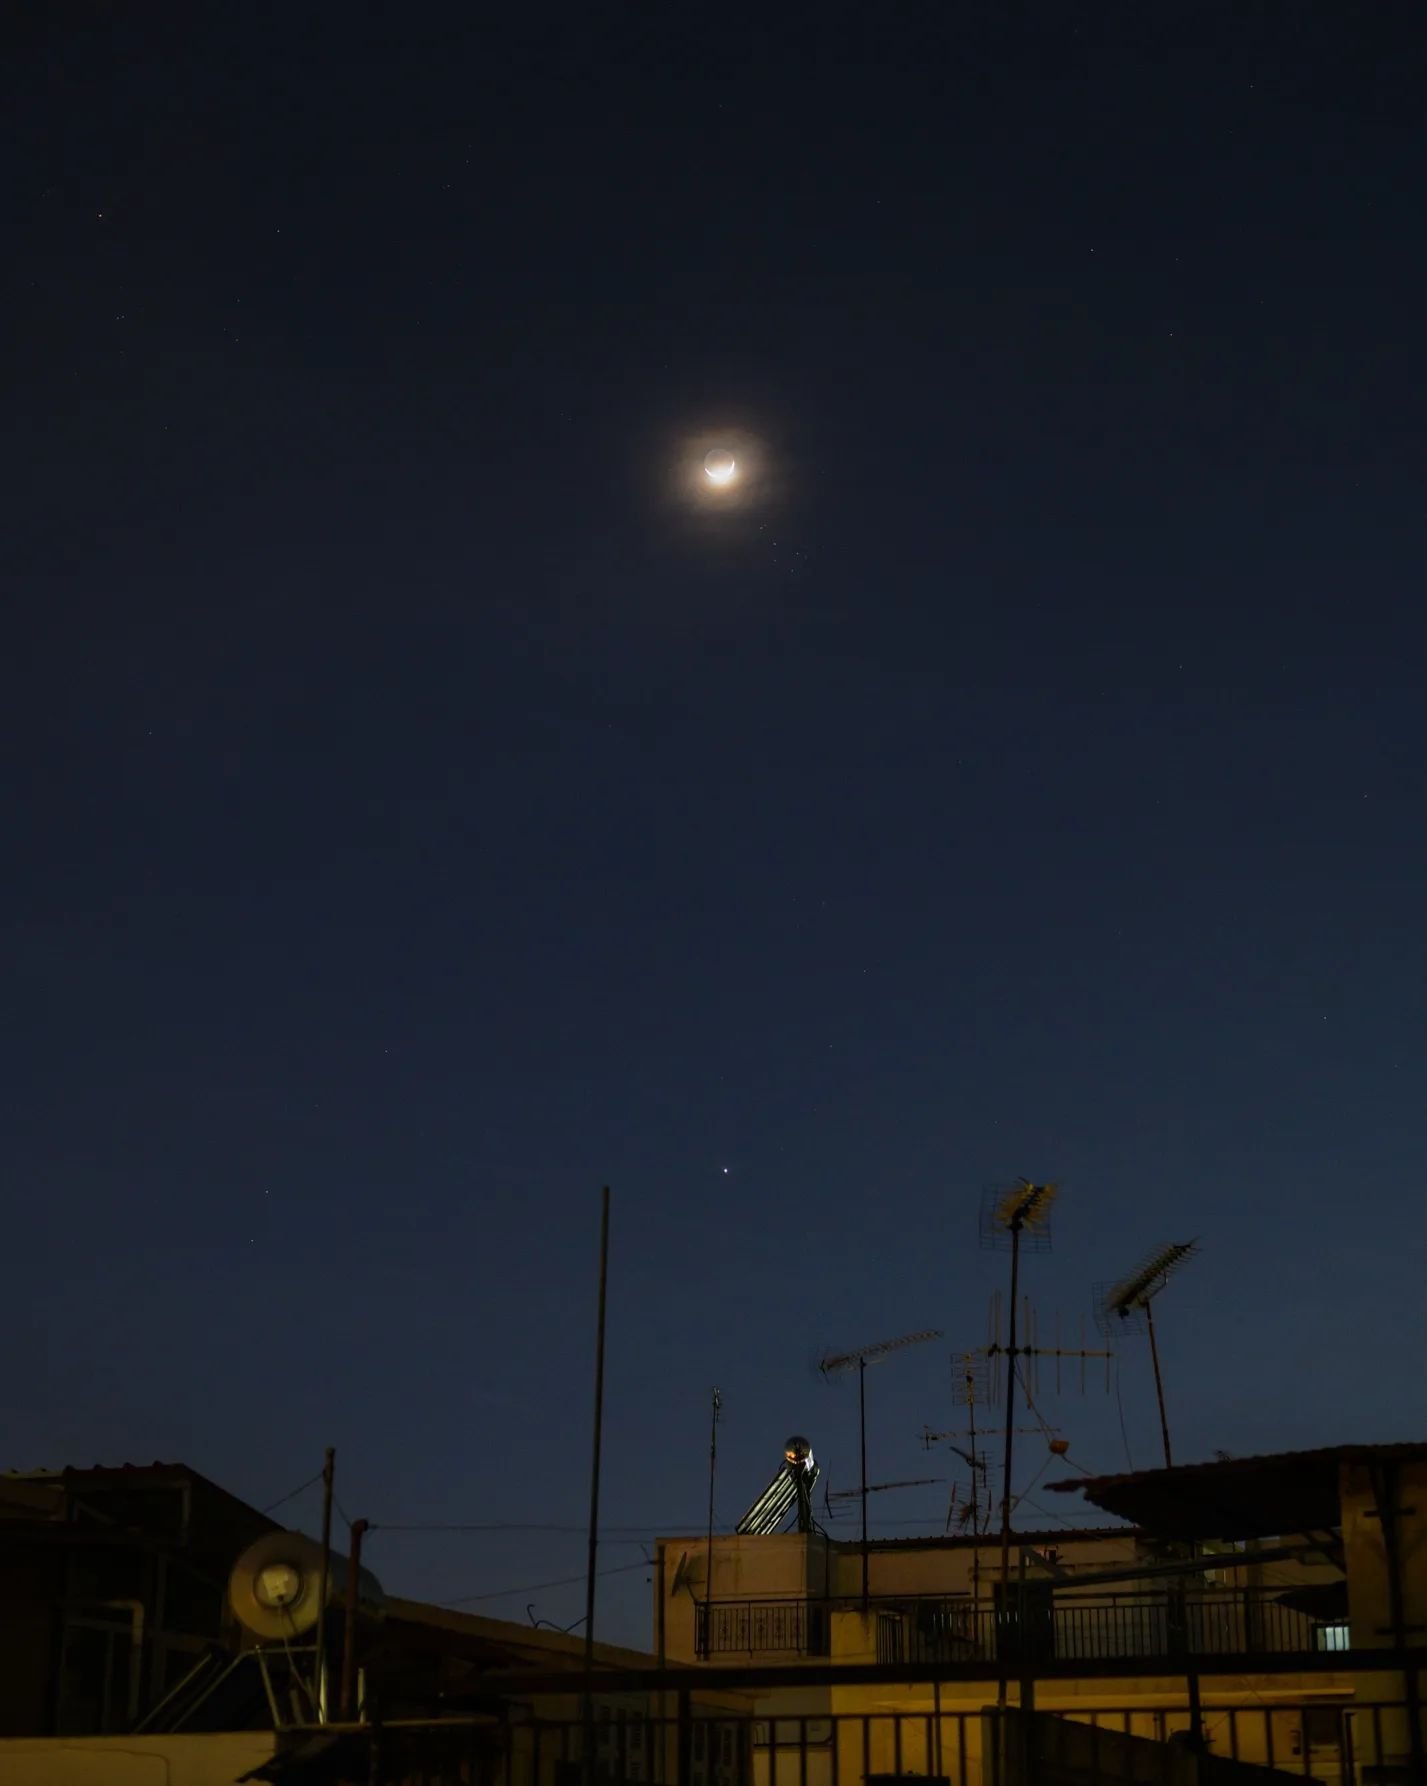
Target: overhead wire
{"x":623,"y":1534}
{"x":292,"y":1494}
{"x":1038,"y":1506}
{"x":1049,"y":1432}
{"x":535,"y":1587}
{"x":606,"y":1536}
{"x":1124,"y":1431}
{"x":1045,"y":1465}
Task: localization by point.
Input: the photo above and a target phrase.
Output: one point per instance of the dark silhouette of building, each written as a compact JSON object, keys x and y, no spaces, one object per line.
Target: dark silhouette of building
{"x":113,"y":1583}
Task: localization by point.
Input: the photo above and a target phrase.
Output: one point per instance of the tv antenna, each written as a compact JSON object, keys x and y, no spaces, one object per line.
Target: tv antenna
{"x":1026,"y":1357}
{"x":976,"y":1468}
{"x":877,"y":1488}
{"x":968,"y":1391}
{"x":836,"y":1364}
{"x":979,"y":1377}
{"x":968,"y":1386}
{"x":1013,"y":1216}
{"x":978,"y":1499}
{"x":1128,"y":1307}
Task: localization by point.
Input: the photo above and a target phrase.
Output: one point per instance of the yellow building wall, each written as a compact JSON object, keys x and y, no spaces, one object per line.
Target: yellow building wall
{"x":1385,"y":1739}
{"x":922,"y":1729}
{"x":918,"y":1729}
{"x":796,"y":1566}
{"x":132,"y":1760}
{"x":787,"y":1566}
{"x":955,"y":1569}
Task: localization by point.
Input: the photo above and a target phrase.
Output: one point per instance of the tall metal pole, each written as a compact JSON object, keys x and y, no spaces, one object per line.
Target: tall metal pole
{"x":589,"y":1758}
{"x":835,"y":1365}
{"x":1011,"y":1355}
{"x":661,"y":1584}
{"x":1001,"y":1615}
{"x":976,"y":1513}
{"x":975,"y":1486}
{"x":349,"y":1640}
{"x":1158,"y":1384}
{"x":708,"y":1549}
{"x":862,"y":1439}
{"x":329,"y":1464}
{"x":1177,"y":1598}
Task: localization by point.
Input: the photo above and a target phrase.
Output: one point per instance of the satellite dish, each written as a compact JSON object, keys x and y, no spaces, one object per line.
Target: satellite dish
{"x":275,"y":1586}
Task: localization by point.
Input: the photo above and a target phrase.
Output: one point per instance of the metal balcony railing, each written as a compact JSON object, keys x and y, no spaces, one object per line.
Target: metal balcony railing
{"x":1353,"y":1738}
{"x":761,"y":1628}
{"x":1030,"y":1626}
{"x":1034,"y":1626}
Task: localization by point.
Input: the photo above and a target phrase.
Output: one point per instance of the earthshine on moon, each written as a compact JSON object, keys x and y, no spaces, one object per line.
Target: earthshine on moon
{"x":720,"y":465}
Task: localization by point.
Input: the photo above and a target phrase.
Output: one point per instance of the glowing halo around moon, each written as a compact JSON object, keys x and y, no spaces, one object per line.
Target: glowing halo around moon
{"x":719,"y":472}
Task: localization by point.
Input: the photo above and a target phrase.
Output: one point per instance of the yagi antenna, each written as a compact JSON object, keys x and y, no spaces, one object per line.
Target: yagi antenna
{"x":834,"y":1364}
{"x":1125,"y":1306}
{"x":1128,"y":1307}
{"x":1026,"y":1356}
{"x":1017,"y":1215}
{"x":877,"y":1488}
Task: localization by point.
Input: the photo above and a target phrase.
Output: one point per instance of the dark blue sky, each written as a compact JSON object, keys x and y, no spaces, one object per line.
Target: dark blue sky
{"x":416,"y":816}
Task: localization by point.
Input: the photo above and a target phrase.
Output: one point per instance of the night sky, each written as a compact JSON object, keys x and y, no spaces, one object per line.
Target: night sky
{"x":425,"y":801}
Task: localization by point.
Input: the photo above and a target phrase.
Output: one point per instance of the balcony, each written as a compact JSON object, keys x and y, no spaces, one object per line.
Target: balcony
{"x":727,"y":1629}
{"x":1035,"y":1627}
{"x":1032,"y":1627}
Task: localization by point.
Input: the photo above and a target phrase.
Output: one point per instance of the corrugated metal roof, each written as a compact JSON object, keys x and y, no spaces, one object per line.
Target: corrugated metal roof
{"x":1265,"y":1496}
{"x":932,"y":1540}
{"x":966,"y":1541}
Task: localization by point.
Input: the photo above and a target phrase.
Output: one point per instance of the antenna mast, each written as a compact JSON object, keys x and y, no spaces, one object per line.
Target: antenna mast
{"x":1128,"y":1307}
{"x":1011,"y":1217}
{"x":715,"y":1410}
{"x":834,"y":1364}
{"x":968,"y":1390}
{"x":966,"y":1366}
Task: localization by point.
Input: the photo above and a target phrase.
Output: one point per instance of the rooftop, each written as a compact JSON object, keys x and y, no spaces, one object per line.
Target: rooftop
{"x":969,"y":1540}
{"x":507,"y":1640}
{"x":1266,"y":1496}
{"x":930,"y":1540}
{"x":105,"y":1473}
{"x":153,"y":1503}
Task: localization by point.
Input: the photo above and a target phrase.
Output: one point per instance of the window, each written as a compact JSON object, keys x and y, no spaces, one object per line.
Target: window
{"x":1334,"y":1637}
